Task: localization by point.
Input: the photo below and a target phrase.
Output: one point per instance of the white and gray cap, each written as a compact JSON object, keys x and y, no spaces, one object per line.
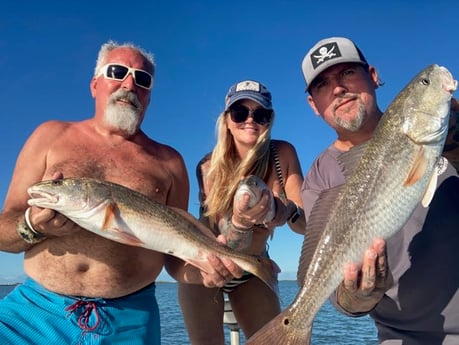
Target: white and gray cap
{"x":329,"y":52}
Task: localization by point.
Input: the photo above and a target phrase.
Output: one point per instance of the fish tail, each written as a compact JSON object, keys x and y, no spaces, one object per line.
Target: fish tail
{"x":280,"y":331}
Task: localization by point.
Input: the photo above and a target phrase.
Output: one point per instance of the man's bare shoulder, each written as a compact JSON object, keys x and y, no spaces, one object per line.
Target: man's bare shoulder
{"x":54,"y":125}
{"x":52,"y":129}
{"x":42,"y":137}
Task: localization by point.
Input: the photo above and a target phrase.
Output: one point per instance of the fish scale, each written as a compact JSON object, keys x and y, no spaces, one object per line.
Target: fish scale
{"x":386,"y":178}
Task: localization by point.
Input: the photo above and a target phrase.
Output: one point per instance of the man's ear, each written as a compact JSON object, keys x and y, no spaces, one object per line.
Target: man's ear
{"x":374,"y":76}
{"x":312,"y":104}
{"x":93,"y":87}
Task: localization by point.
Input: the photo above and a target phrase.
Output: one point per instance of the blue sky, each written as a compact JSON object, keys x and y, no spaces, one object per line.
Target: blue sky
{"x":49,"y":48}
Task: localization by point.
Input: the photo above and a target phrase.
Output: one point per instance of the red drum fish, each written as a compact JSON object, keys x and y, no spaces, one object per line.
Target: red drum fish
{"x":126,"y":216}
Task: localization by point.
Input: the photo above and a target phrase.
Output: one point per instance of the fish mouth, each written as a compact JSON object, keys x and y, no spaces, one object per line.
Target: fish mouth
{"x":39,"y":197}
{"x":449,"y":83}
{"x":452,"y":86}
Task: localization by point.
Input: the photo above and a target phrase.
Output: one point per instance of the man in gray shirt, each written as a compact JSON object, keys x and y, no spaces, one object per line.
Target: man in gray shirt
{"x":409,"y":283}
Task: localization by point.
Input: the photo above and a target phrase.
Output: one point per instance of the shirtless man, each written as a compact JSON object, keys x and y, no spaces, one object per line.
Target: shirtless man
{"x":82,"y":288}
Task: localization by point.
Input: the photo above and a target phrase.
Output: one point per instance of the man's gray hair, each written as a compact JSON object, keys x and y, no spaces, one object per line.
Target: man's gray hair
{"x":111,"y":45}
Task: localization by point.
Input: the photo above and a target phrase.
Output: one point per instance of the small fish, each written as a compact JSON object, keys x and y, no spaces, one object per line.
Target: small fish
{"x":126,"y":216}
{"x":254,"y":187}
{"x":386,"y":178}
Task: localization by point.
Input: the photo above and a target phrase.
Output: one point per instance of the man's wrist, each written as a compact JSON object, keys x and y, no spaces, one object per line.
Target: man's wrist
{"x":26,"y":231}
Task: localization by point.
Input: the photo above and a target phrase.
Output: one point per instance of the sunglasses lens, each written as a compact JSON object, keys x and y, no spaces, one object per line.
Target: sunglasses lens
{"x":262,"y":116}
{"x":116,"y":72}
{"x":119,"y":72}
{"x":239,"y":114}
{"x":143,"y":79}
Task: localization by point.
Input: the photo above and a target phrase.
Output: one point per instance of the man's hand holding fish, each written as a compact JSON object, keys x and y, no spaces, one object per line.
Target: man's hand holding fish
{"x":364,"y":285}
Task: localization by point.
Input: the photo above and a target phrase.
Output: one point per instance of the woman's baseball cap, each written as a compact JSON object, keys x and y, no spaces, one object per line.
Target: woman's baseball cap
{"x":248,"y":89}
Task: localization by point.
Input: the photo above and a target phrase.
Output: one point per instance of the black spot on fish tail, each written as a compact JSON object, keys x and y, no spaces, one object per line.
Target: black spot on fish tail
{"x":280,"y":330}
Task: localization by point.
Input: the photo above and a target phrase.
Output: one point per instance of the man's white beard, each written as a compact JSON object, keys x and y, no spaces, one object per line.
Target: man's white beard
{"x":124,"y":117}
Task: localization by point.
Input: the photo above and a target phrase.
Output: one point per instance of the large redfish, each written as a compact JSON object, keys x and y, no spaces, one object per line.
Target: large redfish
{"x":385,"y":180}
{"x":126,"y":216}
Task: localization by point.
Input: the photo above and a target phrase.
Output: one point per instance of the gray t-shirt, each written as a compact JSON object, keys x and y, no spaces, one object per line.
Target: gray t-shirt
{"x":422,"y":307}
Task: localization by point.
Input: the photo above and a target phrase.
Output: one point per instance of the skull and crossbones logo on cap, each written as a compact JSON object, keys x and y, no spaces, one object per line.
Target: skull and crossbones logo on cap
{"x":326,"y":52}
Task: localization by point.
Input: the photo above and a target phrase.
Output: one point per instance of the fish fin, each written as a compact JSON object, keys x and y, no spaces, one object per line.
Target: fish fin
{"x":280,"y":330}
{"x":349,"y":160}
{"x":116,"y":233}
{"x":418,"y":168}
{"x":126,"y":238}
{"x":202,"y":265}
{"x":109,"y":217}
{"x":430,"y":191}
{"x":319,"y":216}
{"x":269,"y":273}
{"x":266,"y":270}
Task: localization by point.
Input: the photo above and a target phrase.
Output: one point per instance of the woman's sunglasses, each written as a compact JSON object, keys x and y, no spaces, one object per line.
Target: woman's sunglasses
{"x":240,"y":113}
{"x":120,"y":72}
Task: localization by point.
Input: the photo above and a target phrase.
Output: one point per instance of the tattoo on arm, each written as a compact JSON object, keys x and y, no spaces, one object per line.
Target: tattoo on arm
{"x":238,"y":239}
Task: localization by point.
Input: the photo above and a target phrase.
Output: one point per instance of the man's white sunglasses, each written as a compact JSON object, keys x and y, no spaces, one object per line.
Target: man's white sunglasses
{"x":115,"y":71}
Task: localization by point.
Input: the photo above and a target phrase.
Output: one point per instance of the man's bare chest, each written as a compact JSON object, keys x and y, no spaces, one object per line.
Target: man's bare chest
{"x":135,"y":170}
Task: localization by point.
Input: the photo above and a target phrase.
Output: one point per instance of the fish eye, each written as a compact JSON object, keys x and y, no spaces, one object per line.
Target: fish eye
{"x":56,"y":182}
{"x":425,"y":81}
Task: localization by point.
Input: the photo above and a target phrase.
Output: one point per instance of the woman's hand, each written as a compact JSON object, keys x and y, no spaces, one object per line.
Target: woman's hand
{"x":245,"y":216}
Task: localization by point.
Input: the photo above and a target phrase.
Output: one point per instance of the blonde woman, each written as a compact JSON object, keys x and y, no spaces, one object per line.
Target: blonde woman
{"x":244,"y":147}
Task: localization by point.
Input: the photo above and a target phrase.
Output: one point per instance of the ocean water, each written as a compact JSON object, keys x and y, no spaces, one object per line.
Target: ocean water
{"x":330,"y":327}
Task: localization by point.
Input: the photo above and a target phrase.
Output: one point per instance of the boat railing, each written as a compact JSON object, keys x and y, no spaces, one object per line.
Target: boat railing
{"x":230,"y":321}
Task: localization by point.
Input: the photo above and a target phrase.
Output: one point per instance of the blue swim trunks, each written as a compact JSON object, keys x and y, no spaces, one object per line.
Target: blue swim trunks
{"x":30,"y":314}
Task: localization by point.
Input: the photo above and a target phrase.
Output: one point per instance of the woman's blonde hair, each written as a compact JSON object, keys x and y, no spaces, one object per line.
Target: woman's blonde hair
{"x":226,"y":168}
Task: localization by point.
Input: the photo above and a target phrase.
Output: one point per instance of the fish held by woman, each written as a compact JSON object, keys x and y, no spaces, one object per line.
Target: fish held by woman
{"x":254,"y":187}
{"x":386,"y":178}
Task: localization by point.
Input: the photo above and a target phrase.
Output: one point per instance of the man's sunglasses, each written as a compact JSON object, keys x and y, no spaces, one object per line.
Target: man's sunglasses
{"x":120,"y":72}
{"x":240,"y":113}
